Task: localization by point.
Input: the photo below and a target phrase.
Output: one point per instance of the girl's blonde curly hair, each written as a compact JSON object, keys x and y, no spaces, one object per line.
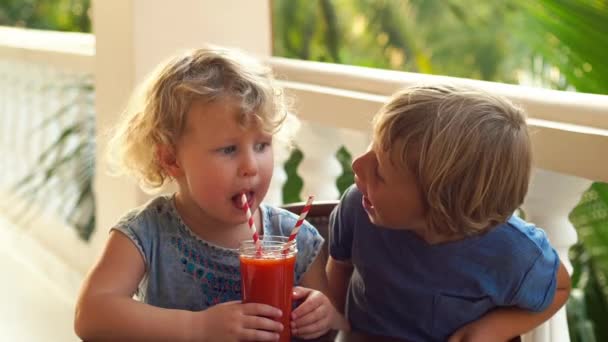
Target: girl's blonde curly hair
{"x":156,"y":113}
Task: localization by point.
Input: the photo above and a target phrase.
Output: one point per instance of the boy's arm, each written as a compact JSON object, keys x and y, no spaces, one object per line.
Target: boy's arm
{"x":505,"y":323}
{"x":338,"y":277}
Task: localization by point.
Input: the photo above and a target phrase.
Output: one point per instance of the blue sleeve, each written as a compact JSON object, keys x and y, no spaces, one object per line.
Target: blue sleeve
{"x":133,"y":227}
{"x":309,"y":243}
{"x":341,"y":225}
{"x":308,"y":240}
{"x":538,"y":286}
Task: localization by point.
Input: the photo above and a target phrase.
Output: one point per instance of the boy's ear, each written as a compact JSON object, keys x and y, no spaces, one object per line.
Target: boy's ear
{"x":168,"y":161}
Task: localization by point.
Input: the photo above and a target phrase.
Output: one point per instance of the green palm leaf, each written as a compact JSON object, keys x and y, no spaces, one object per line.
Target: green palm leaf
{"x":590,"y":260}
{"x":65,"y":168}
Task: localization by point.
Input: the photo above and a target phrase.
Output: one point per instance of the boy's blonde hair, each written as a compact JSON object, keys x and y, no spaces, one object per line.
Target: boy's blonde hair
{"x":470,"y":151}
{"x":157,"y":112}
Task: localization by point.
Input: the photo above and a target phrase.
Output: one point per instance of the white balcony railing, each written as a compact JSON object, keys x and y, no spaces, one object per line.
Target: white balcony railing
{"x":335,"y":104}
{"x":39,"y":76}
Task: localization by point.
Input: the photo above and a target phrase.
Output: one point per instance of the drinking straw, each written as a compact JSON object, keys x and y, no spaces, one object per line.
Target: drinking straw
{"x":296,"y":228}
{"x":255,"y":237}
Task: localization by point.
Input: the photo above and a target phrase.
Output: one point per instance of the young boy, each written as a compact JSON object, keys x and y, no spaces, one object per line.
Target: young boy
{"x":425,"y":247}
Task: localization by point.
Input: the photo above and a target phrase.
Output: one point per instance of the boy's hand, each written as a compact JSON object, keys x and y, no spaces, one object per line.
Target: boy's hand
{"x":234,"y":321}
{"x":315,"y":316}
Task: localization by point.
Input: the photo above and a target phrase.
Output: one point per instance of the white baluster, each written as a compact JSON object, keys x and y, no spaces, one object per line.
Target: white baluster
{"x":550,"y":199}
{"x":319,"y":169}
{"x":283,"y":145}
{"x":274,"y":196}
{"x":5,"y":123}
{"x":356,"y":142}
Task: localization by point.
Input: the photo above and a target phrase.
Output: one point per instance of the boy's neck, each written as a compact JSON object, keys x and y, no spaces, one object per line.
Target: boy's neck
{"x":433,"y":238}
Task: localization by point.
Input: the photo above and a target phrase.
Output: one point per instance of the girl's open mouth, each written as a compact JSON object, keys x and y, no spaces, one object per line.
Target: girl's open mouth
{"x":237,"y":200}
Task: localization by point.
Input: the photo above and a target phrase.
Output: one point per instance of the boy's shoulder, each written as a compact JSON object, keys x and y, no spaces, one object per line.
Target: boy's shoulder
{"x":526,"y":230}
{"x":518,"y":238}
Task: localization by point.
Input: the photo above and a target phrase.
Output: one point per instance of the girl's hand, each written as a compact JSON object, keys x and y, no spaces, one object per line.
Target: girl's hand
{"x":315,"y":316}
{"x":234,"y":321}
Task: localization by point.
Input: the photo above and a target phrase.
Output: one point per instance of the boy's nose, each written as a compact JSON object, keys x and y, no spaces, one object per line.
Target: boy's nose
{"x":357,"y":165}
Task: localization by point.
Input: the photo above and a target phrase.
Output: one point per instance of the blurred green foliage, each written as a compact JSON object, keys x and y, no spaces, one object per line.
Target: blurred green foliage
{"x":588,"y":304}
{"x":548,"y":43}
{"x":58,"y":15}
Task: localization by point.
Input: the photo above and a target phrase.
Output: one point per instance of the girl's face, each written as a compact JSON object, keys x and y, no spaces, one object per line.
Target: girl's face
{"x":391,"y":196}
{"x":217,"y":160}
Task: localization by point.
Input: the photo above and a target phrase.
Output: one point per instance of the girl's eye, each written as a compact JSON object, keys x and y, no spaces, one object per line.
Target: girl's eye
{"x":227,"y":150}
{"x":261,"y":147}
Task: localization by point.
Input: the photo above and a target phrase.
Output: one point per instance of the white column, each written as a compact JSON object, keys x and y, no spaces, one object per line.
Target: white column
{"x":274,"y":195}
{"x":356,"y":142}
{"x":319,"y":169}
{"x":550,"y":199}
{"x":132,"y":36}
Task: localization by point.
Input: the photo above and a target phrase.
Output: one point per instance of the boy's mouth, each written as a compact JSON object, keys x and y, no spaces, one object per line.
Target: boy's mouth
{"x":237,"y":200}
{"x":367,"y":205}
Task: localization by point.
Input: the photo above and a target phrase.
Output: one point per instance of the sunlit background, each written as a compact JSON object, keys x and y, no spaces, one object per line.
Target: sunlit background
{"x":66,"y":69}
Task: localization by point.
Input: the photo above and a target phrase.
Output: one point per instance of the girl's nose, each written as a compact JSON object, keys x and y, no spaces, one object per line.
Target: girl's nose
{"x":248,"y":165}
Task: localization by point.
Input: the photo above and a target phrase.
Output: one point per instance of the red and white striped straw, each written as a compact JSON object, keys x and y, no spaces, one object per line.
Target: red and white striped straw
{"x":296,"y":228}
{"x":255,"y":237}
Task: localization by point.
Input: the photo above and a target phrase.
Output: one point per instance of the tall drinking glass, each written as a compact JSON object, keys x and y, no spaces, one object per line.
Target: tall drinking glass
{"x":267,"y":276}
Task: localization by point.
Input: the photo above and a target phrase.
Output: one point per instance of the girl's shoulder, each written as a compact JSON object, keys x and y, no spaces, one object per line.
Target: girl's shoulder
{"x":149,"y":223}
{"x":278,"y":221}
{"x":156,"y":208}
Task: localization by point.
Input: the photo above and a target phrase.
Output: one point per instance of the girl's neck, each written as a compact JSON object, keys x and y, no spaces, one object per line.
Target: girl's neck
{"x":223,"y":234}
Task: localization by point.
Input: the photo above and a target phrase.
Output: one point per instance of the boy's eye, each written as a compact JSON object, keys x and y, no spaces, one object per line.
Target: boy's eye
{"x":261,"y":147}
{"x":228,"y":149}
{"x":377,"y":169}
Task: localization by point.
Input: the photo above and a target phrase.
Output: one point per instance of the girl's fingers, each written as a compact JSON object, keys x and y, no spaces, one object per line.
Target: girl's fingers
{"x":300,"y":292}
{"x":262,"y":323}
{"x":311,"y":331}
{"x":256,"y":309}
{"x":309,"y":305}
{"x":259,"y":335}
{"x":311,"y":317}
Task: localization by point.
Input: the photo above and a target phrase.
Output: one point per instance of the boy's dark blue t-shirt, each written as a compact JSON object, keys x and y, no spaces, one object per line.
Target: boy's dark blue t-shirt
{"x":405,"y":288}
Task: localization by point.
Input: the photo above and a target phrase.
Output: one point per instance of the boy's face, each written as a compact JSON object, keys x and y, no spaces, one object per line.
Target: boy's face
{"x":218,"y":160}
{"x":391,"y":196}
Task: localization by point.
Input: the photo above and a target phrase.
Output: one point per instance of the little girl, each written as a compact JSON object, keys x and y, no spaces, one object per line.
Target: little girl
{"x":205,"y":119}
